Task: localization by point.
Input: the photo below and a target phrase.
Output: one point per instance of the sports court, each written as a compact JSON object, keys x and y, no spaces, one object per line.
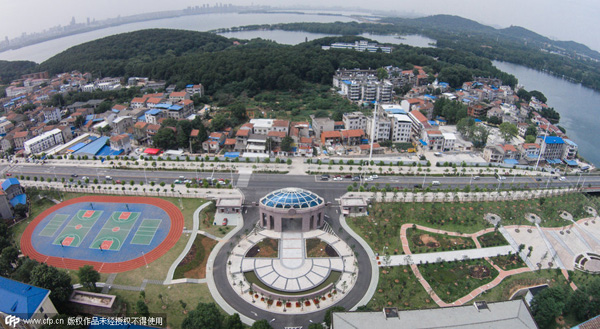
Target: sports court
{"x":114,"y":234}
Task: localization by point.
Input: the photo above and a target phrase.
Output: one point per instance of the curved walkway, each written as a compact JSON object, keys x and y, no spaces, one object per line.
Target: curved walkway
{"x":188,"y":246}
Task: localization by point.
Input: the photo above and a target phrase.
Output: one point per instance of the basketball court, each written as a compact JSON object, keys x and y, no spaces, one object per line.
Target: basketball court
{"x":114,"y":234}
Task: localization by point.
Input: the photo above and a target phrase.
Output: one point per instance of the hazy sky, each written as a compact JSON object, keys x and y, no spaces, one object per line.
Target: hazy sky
{"x":575,"y":20}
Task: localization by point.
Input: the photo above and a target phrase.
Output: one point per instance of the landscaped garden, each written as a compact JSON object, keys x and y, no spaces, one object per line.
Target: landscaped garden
{"x":508,"y":262}
{"x":193,"y":265}
{"x":319,"y":248}
{"x":453,"y":280}
{"x":382,"y":227}
{"x":511,"y":284}
{"x":422,"y":241}
{"x":492,"y":239}
{"x":266,"y":248}
{"x":399,"y":287}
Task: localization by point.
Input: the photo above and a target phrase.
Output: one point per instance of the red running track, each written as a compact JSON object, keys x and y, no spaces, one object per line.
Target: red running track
{"x":74,"y":264}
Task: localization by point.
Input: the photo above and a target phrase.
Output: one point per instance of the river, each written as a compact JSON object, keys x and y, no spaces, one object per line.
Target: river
{"x":578,"y":106}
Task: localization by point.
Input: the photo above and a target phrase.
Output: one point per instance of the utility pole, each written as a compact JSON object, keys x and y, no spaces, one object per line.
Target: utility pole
{"x":543,"y":148}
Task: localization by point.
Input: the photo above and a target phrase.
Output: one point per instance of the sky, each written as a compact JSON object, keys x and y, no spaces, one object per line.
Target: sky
{"x":575,"y":20}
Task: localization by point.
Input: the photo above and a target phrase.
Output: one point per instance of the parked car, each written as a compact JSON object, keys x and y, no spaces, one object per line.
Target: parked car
{"x":374,"y":177}
{"x":118,"y":181}
{"x":324,"y":177}
{"x":417,"y":186}
{"x":224,"y":222}
{"x":538,"y":179}
{"x":177,"y":181}
{"x":476,"y":178}
{"x":562,"y":178}
{"x":74,"y":175}
{"x":348,"y":176}
{"x":355,"y":178}
{"x":8,"y":174}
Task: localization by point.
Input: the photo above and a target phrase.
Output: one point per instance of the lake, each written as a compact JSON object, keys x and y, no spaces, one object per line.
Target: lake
{"x":42,"y":51}
{"x":578,"y":106}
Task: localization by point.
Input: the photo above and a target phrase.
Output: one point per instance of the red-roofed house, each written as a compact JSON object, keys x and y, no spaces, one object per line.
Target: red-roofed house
{"x":276,"y":136}
{"x":20,"y":137}
{"x":331,"y":137}
{"x":138,"y":102}
{"x":242,"y":135}
{"x":352,"y":137}
{"x":510,"y":152}
{"x":229,"y":143}
{"x":121,"y":142}
{"x":178,"y":96}
{"x":366,"y":148}
{"x":151,"y":130}
{"x":418,"y":125}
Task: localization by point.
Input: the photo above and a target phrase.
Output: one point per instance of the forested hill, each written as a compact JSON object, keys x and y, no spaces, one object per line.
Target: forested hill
{"x":223,"y":65}
{"x":517,"y":45}
{"x":130,"y":49}
{"x":13,"y":70}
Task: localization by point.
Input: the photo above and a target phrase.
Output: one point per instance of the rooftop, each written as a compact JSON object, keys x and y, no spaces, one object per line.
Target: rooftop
{"x":20,"y":298}
{"x":292,"y":197}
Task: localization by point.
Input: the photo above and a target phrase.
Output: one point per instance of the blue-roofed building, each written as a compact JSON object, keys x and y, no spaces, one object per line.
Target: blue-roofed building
{"x":570,"y":152}
{"x":552,"y":147}
{"x":291,"y":210}
{"x":152,"y":116}
{"x":92,"y":148}
{"x":24,"y":301}
{"x":12,"y":194}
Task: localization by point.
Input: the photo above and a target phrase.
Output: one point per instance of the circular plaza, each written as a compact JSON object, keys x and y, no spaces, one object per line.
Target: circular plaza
{"x":292,"y":261}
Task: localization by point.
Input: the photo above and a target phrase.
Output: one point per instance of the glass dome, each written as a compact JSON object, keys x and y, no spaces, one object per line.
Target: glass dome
{"x":291,"y":198}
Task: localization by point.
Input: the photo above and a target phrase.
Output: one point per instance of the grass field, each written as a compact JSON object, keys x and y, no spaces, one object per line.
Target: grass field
{"x":399,"y":287}
{"x":492,"y":239}
{"x":191,"y":294}
{"x":510,"y":285}
{"x":453,"y":280}
{"x":382,"y":226}
{"x":508,"y":262}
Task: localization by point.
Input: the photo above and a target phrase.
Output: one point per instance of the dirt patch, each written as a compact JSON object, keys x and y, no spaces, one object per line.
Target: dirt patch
{"x":199,"y":272}
{"x":429,"y":241}
{"x":319,"y":248}
{"x":479,"y":271}
{"x":267,"y":248}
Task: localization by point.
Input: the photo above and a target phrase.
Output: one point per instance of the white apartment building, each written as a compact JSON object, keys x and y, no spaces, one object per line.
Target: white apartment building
{"x":383,"y":128}
{"x":52,"y":114}
{"x":44,"y":141}
{"x":264,"y":126}
{"x":355,"y":120}
{"x":449,"y":141}
{"x":401,"y":127}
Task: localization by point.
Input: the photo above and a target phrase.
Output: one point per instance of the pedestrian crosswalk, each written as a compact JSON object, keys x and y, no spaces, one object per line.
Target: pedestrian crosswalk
{"x":244,"y":178}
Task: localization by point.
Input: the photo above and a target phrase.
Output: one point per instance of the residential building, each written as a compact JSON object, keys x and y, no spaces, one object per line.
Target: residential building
{"x":354,"y":120}
{"x":121,"y":142}
{"x":6,"y":210}
{"x":449,"y":141}
{"x":20,"y":137}
{"x":352,"y":137}
{"x":477,"y":110}
{"x":214,"y":142}
{"x":151,"y":130}
{"x":6,"y":143}
{"x":510,"y":152}
{"x":321,"y":125}
{"x":570,"y":151}
{"x":366,"y":148}
{"x":51,"y":114}
{"x":5,"y":127}
{"x":139,"y":131}
{"x":138,"y":102}
{"x":39,"y":144}
{"x":401,"y":128}
{"x":552,"y":147}
{"x":435,"y":140}
{"x":419,"y":124}
{"x":383,"y":128}
{"x":120,"y":125}
{"x":493,"y":153}
{"x":178,"y":96}
{"x":26,"y":302}
{"x":152,"y":116}
{"x":195,"y":89}
{"x":257,"y":144}
{"x":331,"y":137}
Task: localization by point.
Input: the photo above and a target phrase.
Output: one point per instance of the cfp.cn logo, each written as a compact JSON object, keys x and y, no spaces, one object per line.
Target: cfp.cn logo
{"x":12,"y":320}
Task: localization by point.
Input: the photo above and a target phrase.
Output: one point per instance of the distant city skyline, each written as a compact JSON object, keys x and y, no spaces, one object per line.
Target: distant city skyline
{"x":569,"y":20}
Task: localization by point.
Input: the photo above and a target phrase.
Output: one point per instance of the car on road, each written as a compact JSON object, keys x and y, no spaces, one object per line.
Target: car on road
{"x":337,"y":178}
{"x":355,"y":178}
{"x":538,"y":179}
{"x":562,"y":178}
{"x":74,"y":175}
{"x":369,"y":179}
{"x":177,"y":181}
{"x":8,"y":174}
{"x":108,"y":178}
{"x":224,"y":222}
{"x":118,"y":181}
{"x":476,"y":178}
{"x":348,"y":176}
{"x":324,"y":177}
{"x":374,"y":177}
{"x":188,"y":181}
{"x":417,"y":186}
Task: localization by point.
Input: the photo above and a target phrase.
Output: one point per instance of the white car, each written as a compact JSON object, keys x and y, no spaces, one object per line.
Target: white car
{"x":374,"y":177}
{"x":562,"y":178}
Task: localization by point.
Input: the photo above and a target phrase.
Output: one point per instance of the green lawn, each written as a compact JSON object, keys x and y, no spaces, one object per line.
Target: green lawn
{"x":422,"y":242}
{"x":508,"y":262}
{"x":191,"y":294}
{"x":194,"y":264}
{"x":453,"y":280}
{"x":492,"y":239}
{"x":511,"y":284}
{"x":316,"y":248}
{"x":399,"y":287}
{"x":382,"y":226}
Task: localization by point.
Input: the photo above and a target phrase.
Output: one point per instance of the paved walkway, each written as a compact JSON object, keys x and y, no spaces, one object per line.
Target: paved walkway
{"x":551,"y":249}
{"x":447,"y":256}
{"x":188,"y":246}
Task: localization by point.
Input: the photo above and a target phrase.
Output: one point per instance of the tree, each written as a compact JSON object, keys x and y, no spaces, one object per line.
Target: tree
{"x":105,"y":130}
{"x":219,"y":122}
{"x":508,"y":131}
{"x":494,"y":120}
{"x":327,"y":318}
{"x":261,"y":324}
{"x":238,"y":112}
{"x":23,"y":272}
{"x":539,"y":96}
{"x":8,"y":259}
{"x":88,"y":277}
{"x":382,"y":73}
{"x":547,"y":305}
{"x":531,"y":130}
{"x":286,"y":144}
{"x":164,"y":139}
{"x":233,"y":322}
{"x":21,"y":210}
{"x":206,"y":315}
{"x":142,"y":308}
{"x":58,"y":282}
